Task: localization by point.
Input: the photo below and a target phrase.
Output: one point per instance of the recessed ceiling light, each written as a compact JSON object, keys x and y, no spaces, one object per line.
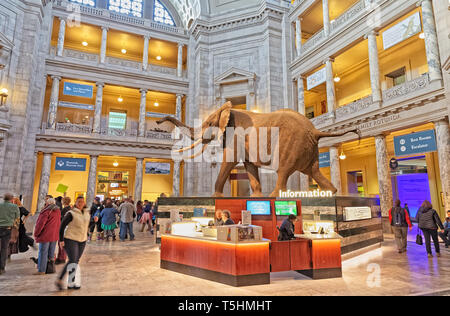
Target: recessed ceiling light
{"x":124,"y":51}
{"x":156,"y":104}
{"x":116,"y":164}
{"x":120,"y":99}
{"x":158,"y":57}
{"x":84,"y":43}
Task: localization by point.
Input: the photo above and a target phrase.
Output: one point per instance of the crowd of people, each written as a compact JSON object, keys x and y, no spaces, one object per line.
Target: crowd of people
{"x":69,"y":227}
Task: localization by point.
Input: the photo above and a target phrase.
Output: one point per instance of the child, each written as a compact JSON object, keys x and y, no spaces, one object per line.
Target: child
{"x":146,"y":218}
{"x":108,"y":218}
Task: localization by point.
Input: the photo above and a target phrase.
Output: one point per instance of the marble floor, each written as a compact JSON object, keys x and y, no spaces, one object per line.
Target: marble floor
{"x":132,"y":268}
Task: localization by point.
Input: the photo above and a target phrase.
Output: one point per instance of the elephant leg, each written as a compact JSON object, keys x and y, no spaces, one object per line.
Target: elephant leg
{"x":225,"y":170}
{"x":323,"y":182}
{"x":253,"y":175}
{"x":282,"y":180}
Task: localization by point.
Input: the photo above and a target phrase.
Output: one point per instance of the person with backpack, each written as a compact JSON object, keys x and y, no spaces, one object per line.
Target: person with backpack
{"x":400,"y":221}
{"x":429,"y":221}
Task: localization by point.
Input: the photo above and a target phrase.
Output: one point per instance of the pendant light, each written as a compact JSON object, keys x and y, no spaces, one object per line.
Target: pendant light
{"x":342,"y":156}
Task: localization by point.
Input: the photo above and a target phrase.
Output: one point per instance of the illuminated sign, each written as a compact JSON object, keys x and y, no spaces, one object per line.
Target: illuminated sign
{"x":305,"y":194}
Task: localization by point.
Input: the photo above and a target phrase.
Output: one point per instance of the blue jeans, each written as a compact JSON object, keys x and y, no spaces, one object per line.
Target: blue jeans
{"x":46,"y":252}
{"x":125,"y":229}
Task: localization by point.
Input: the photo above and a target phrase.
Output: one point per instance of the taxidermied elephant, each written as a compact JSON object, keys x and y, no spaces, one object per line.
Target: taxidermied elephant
{"x":297,"y":147}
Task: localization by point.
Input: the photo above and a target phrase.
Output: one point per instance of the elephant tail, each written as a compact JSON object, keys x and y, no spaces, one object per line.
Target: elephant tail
{"x":320,"y":134}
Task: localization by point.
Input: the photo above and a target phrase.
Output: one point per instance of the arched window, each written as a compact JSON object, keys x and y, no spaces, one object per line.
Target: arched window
{"x":161,"y":14}
{"x":128,"y":7}
{"x":89,"y":3}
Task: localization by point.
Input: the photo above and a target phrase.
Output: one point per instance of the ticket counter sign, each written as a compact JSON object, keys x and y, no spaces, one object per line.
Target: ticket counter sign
{"x":324,"y":160}
{"x":70,"y":164}
{"x":416,"y":143}
{"x":78,"y":90}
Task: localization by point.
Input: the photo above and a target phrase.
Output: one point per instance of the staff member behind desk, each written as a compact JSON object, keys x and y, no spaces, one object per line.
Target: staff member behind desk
{"x":74,"y":238}
{"x":218,"y":219}
{"x":226,"y":218}
{"x":287,"y":228}
{"x":9,"y":216}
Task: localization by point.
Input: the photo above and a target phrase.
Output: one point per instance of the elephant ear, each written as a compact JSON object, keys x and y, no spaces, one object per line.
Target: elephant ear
{"x":224,"y":116}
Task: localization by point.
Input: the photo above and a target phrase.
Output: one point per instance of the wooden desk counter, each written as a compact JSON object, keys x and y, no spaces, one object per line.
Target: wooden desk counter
{"x":236,"y":264}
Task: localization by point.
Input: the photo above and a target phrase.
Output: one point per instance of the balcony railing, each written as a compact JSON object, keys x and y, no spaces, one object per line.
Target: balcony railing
{"x":313,"y":40}
{"x":71,"y":128}
{"x":113,"y":61}
{"x":406,"y":88}
{"x":352,"y":108}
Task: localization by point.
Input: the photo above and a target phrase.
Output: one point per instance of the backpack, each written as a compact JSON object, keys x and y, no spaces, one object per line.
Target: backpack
{"x":398,"y":217}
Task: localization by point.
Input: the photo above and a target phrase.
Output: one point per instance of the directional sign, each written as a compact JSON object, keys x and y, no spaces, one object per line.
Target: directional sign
{"x":324,"y":160}
{"x":70,"y":164}
{"x":78,"y":90}
{"x":415,"y":143}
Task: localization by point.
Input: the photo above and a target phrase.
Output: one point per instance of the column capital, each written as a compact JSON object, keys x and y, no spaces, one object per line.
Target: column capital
{"x":329,"y":59}
{"x":420,"y":2}
{"x":93,"y":156}
{"x":54,"y":77}
{"x":441,"y":122}
{"x":299,"y":77}
{"x":143,"y":90}
{"x":147,"y":37}
{"x":98,"y":84}
{"x":371,"y":33}
{"x":139,"y":159}
{"x":381,"y":135}
{"x":180,"y":95}
{"x":181,"y":45}
{"x":62,"y":19}
{"x":105,"y":28}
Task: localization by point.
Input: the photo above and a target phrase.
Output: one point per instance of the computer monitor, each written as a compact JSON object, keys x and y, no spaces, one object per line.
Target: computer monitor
{"x":285,"y":208}
{"x":259,"y":207}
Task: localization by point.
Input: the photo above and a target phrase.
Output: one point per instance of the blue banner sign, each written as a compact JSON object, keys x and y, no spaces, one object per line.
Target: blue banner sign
{"x":78,"y":90}
{"x":415,"y":143}
{"x":72,"y":105}
{"x":324,"y":160}
{"x":70,"y":164}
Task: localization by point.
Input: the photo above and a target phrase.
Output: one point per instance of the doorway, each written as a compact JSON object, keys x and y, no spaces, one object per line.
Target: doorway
{"x":355,"y":183}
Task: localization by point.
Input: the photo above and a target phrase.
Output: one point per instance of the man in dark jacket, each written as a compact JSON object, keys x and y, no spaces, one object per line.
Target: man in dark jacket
{"x":96,"y":207}
{"x":400,"y":221}
{"x":287,"y":228}
{"x":445,"y":235}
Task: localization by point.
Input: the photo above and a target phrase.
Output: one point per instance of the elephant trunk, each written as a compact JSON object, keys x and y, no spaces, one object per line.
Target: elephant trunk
{"x":178,"y":123}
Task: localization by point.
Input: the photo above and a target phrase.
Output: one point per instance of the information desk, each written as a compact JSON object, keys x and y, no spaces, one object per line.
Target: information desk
{"x":325,"y":255}
{"x":235,"y":264}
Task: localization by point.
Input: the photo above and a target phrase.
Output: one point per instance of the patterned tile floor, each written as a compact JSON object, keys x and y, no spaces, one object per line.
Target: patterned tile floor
{"x":132,"y":268}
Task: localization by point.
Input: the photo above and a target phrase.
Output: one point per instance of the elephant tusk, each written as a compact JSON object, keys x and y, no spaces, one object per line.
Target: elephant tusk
{"x":197,"y":154}
{"x":190,"y":147}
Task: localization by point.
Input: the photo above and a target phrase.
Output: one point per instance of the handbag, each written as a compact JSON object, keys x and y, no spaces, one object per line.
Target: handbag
{"x":51,"y":268}
{"x":419,"y":239}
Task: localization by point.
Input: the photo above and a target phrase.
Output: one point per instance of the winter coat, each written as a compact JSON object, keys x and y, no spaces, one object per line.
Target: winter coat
{"x":47,"y":224}
{"x":428,"y":219}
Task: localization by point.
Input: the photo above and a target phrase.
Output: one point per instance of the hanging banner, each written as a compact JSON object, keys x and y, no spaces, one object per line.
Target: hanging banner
{"x":157,"y":168}
{"x":70,"y":164}
{"x":79,"y":106}
{"x":324,"y":160}
{"x":416,"y":143}
{"x":316,"y":78}
{"x":78,"y":90}
{"x":402,"y":31}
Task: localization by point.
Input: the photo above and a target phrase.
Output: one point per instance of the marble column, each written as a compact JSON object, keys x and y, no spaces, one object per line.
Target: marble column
{"x":142,"y":113}
{"x":300,"y":95}
{"x":298,"y":36}
{"x":98,"y":108}
{"x":53,"y":106}
{"x":326,"y":17}
{"x":374,"y":66}
{"x":138,"y":179}
{"x":180,"y":61}
{"x":145,"y":53}
{"x":331,"y":94}
{"x":335,"y":169}
{"x":103,"y":45}
{"x":443,"y":146}
{"x":304,"y":182}
{"x":431,"y":41}
{"x":61,"y":36}
{"x":92,"y":180}
{"x":44,"y":181}
{"x":179,"y":105}
{"x":384,"y":175}
{"x":176,"y":179}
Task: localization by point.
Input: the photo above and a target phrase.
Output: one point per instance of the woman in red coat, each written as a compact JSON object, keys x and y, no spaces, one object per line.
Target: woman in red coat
{"x":46,"y":233}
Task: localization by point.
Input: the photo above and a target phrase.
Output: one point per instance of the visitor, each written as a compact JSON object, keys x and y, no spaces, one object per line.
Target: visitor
{"x":400,"y":221}
{"x":62,"y":256}
{"x":46,"y":234}
{"x":58,"y":202}
{"x":287,"y":229}
{"x":108,"y":220}
{"x":146,"y":218}
{"x":406,"y":207}
{"x":73,"y":239}
{"x":96,"y":207}
{"x":9,"y":217}
{"x":127,"y":213}
{"x":24,"y":241}
{"x":139,"y":210}
{"x":226,"y":218}
{"x":429,"y":221}
{"x":445,"y":235}
{"x":218,"y":218}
